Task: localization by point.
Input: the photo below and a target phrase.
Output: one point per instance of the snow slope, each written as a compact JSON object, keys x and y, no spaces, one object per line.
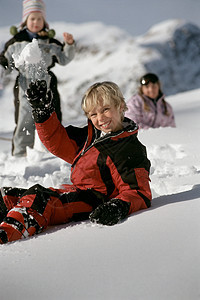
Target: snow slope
{"x":154,"y":254}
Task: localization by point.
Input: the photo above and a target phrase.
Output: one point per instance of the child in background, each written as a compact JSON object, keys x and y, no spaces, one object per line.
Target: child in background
{"x":33,"y":26}
{"x":148,"y":107}
{"x":109,"y":167}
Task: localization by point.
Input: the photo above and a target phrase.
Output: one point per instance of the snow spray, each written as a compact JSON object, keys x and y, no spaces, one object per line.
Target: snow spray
{"x":30,"y":59}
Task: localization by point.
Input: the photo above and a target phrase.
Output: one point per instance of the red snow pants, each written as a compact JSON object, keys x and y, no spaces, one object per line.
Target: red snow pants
{"x":28,"y":212}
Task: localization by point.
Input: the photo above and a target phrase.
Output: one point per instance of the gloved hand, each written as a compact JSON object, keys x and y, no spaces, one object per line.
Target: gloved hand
{"x":111,"y":212}
{"x":40,"y":100}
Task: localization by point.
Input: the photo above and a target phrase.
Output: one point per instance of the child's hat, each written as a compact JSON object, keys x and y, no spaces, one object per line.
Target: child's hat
{"x":30,"y":6}
{"x":149,"y":77}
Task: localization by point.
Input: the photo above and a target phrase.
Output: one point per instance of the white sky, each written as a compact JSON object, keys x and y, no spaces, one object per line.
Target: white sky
{"x":134,"y":16}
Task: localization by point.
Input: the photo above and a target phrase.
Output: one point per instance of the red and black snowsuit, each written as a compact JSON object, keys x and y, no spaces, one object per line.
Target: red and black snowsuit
{"x":114,"y":166}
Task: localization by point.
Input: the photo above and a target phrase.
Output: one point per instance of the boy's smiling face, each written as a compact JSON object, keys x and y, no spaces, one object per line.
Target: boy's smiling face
{"x":106,"y":118}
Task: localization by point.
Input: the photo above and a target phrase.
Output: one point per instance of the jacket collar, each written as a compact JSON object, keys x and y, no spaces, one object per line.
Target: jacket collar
{"x":160,"y":97}
{"x":129,"y":127}
{"x":94,"y":135}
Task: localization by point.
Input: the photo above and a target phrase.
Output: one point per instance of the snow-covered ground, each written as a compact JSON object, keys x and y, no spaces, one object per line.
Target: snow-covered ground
{"x":154,"y":254}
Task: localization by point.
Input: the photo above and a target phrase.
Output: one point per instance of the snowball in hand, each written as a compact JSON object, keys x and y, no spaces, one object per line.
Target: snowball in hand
{"x":31,"y":54}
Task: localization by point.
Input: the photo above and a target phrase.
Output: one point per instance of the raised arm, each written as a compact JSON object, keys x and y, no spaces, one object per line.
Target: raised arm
{"x":51,"y":132}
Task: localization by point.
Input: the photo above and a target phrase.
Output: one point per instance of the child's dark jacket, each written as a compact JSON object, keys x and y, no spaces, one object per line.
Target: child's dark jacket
{"x":52,"y":52}
{"x":115,"y":165}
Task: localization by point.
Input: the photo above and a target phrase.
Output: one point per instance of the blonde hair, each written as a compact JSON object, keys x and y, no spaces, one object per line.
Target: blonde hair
{"x":103,"y":93}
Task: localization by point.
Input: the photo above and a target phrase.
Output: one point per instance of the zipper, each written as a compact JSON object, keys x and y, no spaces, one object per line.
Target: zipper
{"x":156,"y":112}
{"x":97,"y":141}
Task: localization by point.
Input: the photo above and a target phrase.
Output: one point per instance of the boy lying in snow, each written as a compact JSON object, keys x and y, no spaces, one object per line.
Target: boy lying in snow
{"x":109,"y":167}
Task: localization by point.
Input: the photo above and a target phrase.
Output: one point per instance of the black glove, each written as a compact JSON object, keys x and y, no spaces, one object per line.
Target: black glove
{"x":40,"y":100}
{"x":111,"y":212}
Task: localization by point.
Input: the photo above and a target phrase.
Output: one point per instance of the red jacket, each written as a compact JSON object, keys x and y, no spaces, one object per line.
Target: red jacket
{"x":115,"y":165}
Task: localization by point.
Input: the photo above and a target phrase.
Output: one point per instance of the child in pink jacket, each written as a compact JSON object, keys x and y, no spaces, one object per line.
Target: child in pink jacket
{"x":148,"y":107}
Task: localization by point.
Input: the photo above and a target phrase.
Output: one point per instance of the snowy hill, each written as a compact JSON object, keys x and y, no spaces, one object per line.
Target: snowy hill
{"x":170,"y":49}
{"x":154,"y":254}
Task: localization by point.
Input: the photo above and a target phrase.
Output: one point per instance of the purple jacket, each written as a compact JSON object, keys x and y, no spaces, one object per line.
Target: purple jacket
{"x":153,"y":116}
